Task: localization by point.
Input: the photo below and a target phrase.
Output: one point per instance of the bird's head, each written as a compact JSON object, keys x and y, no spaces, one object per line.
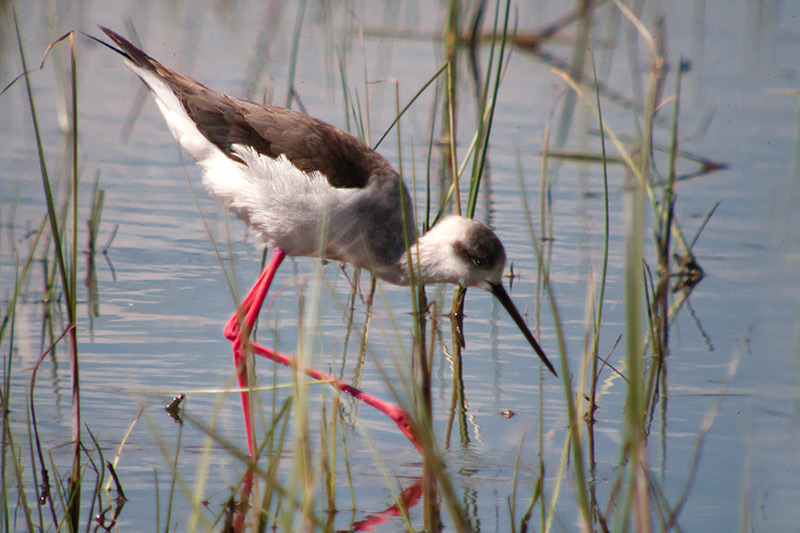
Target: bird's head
{"x":464,"y":252}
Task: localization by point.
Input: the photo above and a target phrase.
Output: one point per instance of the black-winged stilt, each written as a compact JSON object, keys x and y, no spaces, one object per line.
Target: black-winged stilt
{"x":310,"y":189}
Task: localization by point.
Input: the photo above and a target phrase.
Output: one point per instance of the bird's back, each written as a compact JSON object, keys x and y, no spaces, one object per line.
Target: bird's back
{"x":303,"y":185}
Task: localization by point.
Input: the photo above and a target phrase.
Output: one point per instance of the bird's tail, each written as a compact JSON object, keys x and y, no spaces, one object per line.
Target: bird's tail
{"x":136,"y":56}
{"x":171,"y":90}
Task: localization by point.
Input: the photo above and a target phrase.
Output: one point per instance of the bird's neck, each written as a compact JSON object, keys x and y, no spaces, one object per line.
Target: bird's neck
{"x":426,"y":255}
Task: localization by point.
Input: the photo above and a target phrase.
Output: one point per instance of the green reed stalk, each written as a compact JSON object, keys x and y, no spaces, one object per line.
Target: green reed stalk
{"x":450,"y":107}
{"x":298,"y":30}
{"x":635,"y":431}
{"x":660,"y":304}
{"x":411,"y":102}
{"x":598,"y":318}
{"x":302,"y":477}
{"x":68,"y":278}
{"x":574,"y":442}
{"x":421,"y":387}
{"x":7,"y":437}
{"x":488,"y":106}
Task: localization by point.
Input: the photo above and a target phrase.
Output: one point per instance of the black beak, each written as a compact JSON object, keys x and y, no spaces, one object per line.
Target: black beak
{"x":503,"y":297}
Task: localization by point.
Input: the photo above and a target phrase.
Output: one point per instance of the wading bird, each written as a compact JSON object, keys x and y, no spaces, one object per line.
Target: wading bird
{"x":309,"y":189}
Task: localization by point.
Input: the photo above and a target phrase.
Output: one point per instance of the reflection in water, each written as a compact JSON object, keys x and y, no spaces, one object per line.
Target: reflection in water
{"x":406,"y":500}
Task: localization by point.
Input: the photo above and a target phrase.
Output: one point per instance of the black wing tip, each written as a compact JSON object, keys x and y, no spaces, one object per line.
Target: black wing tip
{"x":116,"y":37}
{"x":102,"y":42}
{"x":127,"y":49}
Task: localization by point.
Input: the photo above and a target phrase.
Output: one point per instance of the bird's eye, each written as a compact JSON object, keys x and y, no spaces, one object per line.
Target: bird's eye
{"x":477,"y":261}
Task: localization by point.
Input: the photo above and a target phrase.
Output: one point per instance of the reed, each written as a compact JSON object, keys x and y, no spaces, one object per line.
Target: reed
{"x":66,"y":260}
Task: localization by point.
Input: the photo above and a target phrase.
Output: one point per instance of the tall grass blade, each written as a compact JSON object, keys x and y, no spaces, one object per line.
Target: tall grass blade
{"x":298,"y":30}
{"x":488,"y":105}
{"x":68,"y":279}
{"x":598,"y":318}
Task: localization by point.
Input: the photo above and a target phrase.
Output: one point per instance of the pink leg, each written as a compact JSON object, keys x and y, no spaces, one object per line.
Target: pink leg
{"x":239,"y":336}
{"x":237,"y":330}
{"x":396,"y":413}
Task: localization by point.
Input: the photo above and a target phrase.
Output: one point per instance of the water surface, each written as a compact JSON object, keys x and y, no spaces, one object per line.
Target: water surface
{"x":164,"y":302}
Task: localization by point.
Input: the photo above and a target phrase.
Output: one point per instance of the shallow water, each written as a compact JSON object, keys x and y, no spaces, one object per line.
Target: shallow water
{"x":164,"y":298}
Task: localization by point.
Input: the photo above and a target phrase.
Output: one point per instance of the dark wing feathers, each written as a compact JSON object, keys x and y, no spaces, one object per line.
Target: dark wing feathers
{"x":310,"y":144}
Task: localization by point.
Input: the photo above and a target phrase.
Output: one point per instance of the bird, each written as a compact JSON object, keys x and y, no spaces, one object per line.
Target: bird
{"x":308,"y":188}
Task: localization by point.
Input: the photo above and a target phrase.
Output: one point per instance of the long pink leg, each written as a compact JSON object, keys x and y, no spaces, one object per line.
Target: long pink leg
{"x":238,"y":332}
{"x":249,"y":310}
{"x":395,"y":412}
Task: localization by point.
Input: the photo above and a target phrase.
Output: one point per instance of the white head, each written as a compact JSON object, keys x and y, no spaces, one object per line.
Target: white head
{"x":461,"y":251}
{"x":464,"y":252}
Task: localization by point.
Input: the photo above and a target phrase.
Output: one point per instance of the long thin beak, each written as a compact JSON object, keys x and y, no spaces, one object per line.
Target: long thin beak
{"x":503,"y":297}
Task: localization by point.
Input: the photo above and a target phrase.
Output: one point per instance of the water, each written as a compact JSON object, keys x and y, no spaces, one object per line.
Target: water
{"x":163,"y":304}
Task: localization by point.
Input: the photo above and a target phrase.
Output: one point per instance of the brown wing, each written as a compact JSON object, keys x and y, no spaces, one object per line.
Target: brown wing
{"x":310,"y":144}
